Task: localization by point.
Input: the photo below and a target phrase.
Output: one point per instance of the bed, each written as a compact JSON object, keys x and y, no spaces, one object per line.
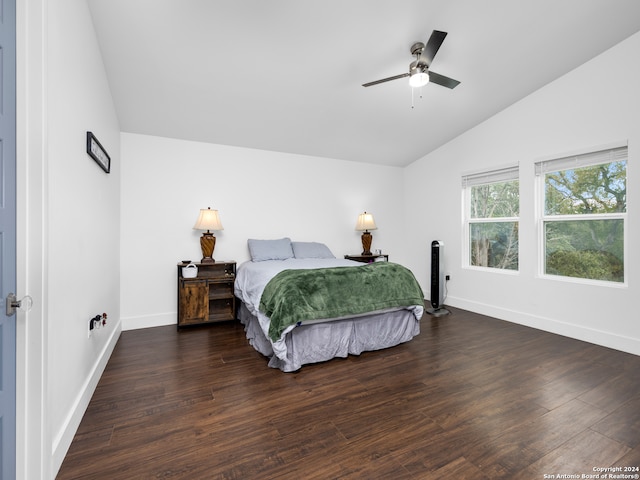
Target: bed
{"x":300,"y":305}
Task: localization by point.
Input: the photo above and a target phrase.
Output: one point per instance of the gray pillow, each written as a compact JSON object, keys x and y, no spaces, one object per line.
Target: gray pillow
{"x":262,"y":250}
{"x":311,"y":250}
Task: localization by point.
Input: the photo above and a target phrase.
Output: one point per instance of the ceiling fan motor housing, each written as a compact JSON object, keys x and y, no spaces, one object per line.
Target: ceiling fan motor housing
{"x":417,"y":67}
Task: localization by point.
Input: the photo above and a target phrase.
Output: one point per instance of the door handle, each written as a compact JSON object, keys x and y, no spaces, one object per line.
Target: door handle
{"x":12,"y":302}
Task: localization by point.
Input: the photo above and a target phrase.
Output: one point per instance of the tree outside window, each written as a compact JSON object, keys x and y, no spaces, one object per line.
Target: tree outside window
{"x":493,"y":218}
{"x":585,"y":205}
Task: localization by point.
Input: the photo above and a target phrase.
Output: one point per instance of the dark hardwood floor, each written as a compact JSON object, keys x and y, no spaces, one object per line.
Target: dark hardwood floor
{"x":470,"y":397}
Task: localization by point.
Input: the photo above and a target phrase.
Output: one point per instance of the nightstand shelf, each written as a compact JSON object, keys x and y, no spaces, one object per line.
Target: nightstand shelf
{"x":209,"y":297}
{"x":368,"y":258}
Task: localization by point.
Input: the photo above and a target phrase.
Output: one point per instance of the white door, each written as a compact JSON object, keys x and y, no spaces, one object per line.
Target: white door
{"x":7,"y":237}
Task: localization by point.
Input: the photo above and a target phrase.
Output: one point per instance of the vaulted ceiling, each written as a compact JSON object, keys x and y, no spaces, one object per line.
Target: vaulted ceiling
{"x":287,"y":75}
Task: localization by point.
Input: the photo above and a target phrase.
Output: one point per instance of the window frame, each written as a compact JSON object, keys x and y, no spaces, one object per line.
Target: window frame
{"x":586,"y":158}
{"x":497,"y":175}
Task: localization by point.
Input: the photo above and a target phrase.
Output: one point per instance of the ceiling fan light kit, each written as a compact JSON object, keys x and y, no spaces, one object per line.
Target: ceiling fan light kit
{"x":419,"y":79}
{"x":419,"y":73}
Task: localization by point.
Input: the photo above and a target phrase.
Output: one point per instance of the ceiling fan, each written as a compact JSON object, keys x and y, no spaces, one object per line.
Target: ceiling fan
{"x":419,"y":73}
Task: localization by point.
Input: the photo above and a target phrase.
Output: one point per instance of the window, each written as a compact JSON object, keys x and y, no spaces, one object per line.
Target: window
{"x":584,"y":213}
{"x":492,"y":202}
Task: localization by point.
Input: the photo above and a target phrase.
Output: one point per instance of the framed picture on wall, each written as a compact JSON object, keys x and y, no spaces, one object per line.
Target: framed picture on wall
{"x":98,"y":153}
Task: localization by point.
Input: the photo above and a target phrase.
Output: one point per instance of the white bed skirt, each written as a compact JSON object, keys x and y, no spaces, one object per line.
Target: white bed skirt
{"x":319,"y":342}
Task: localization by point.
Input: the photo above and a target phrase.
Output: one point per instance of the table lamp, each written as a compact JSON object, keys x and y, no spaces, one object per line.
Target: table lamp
{"x":364,"y":224}
{"x":208,"y":220}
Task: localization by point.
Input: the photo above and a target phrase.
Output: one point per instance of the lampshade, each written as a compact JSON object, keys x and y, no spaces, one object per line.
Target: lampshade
{"x":366,"y":222}
{"x":419,"y":79}
{"x":208,"y":220}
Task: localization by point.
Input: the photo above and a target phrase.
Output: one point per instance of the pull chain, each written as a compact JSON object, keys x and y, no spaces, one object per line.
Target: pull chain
{"x":412,"y":102}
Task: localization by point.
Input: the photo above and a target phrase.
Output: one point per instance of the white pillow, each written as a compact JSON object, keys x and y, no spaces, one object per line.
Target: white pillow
{"x":311,"y":250}
{"x":262,"y":250}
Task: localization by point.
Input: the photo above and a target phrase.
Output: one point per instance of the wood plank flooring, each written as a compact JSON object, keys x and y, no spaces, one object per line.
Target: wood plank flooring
{"x":471,"y":397}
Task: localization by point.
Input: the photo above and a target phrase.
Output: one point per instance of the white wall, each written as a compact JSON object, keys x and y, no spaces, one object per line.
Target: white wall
{"x":259,"y":194}
{"x":82,"y":211}
{"x":594,"y":105}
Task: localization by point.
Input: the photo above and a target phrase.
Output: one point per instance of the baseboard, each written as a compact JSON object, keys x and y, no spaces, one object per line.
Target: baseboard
{"x":62,"y":441}
{"x":148,"y":321}
{"x":579,"y":332}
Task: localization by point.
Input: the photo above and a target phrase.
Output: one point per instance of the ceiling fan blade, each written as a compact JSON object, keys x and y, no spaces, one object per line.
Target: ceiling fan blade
{"x":432,"y":47}
{"x":388,"y":79}
{"x":442,"y":80}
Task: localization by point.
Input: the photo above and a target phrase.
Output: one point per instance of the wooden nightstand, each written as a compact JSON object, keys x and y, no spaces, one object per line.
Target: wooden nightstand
{"x":368,"y":258}
{"x":209,"y":297}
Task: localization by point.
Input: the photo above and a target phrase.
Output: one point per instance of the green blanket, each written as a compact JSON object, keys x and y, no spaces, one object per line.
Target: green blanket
{"x":295,"y":295}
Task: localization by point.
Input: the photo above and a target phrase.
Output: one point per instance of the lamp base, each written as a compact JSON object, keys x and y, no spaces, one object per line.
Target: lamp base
{"x":366,"y":243}
{"x":207,"y":244}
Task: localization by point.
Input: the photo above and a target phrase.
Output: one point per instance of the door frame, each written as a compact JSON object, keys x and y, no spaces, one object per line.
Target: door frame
{"x":33,"y":441}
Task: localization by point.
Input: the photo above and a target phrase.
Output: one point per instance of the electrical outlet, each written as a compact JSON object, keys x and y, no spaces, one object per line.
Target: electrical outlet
{"x":447,"y":277}
{"x":95,"y":323}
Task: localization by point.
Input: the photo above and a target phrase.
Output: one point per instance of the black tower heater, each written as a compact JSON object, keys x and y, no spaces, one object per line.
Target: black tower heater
{"x":437,"y":280}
